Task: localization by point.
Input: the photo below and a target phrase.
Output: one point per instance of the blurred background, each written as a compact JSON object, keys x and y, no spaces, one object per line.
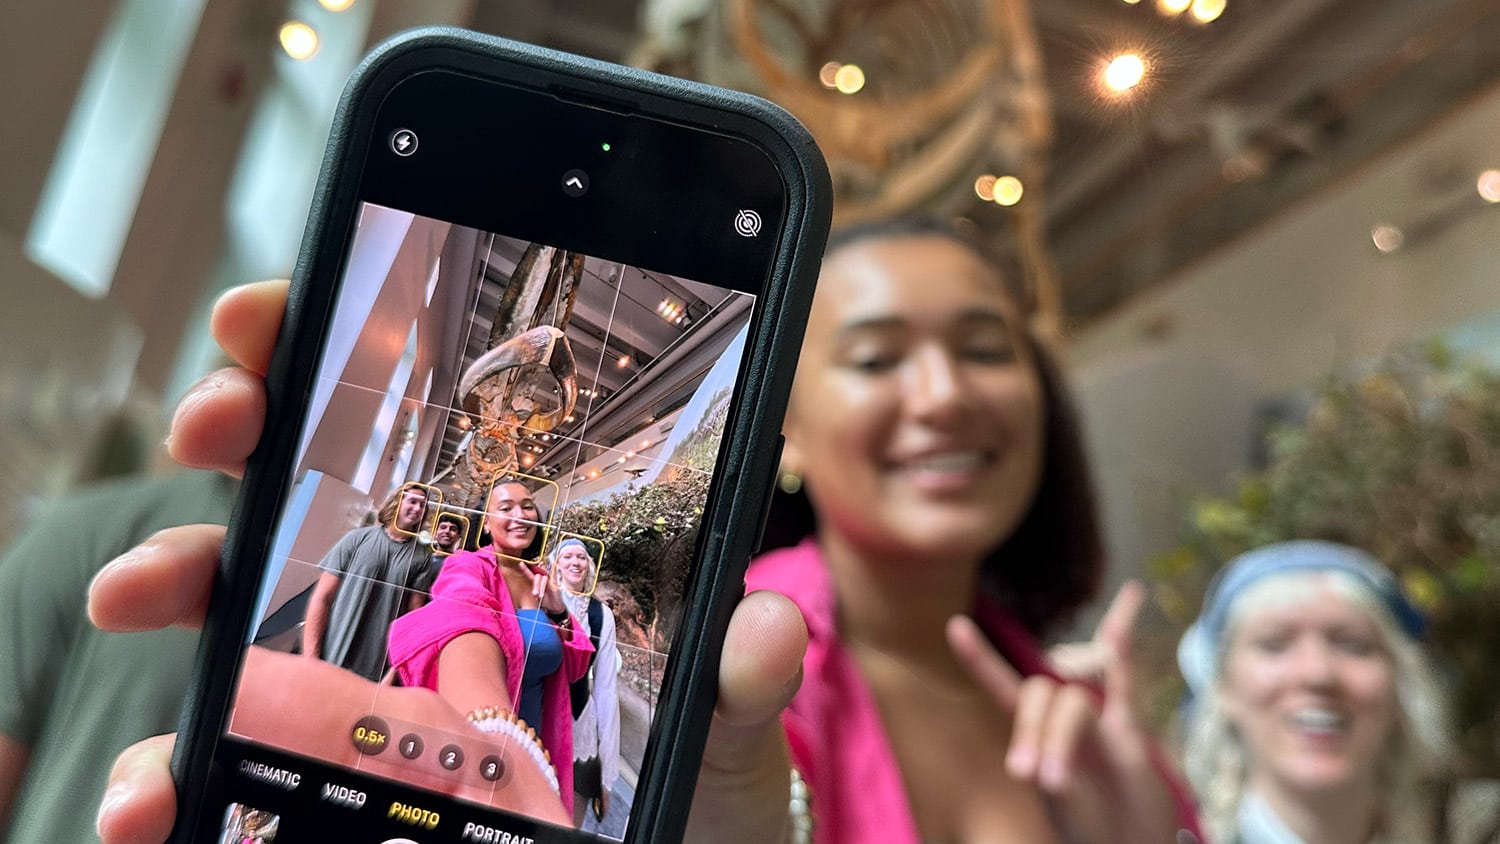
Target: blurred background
{"x":1265,"y":231}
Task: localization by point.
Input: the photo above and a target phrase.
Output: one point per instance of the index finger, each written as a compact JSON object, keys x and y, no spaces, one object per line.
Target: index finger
{"x":983,"y":662}
{"x":1114,"y":632}
{"x":246,"y":320}
{"x":1118,"y":624}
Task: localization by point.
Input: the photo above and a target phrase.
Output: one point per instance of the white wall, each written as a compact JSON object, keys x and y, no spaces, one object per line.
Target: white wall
{"x":1168,"y":386}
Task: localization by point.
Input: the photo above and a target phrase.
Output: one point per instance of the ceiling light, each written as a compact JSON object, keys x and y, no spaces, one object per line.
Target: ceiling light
{"x":623,"y":361}
{"x":299,"y":40}
{"x":1208,"y":11}
{"x":849,"y":79}
{"x":1172,"y":7}
{"x":593,"y":474}
{"x":669,"y":310}
{"x":1489,"y":186}
{"x":984,"y":187}
{"x":1124,"y":72}
{"x":336,"y":5}
{"x":1387,"y":238}
{"x":1008,"y":190}
{"x":526,"y":460}
{"x":828,"y":75}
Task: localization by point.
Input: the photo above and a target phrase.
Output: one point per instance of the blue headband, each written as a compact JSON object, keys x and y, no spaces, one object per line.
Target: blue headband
{"x":1198,"y":652}
{"x":571,"y":541}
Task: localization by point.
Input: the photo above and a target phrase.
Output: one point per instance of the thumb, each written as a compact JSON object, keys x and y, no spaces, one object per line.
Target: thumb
{"x":760,"y":671}
{"x":743,"y":783}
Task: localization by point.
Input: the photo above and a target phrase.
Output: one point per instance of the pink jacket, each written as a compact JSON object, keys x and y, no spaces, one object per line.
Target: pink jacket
{"x":834,"y":728}
{"x":470,"y":595}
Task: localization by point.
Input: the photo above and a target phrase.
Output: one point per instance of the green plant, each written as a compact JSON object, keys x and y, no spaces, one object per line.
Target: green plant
{"x":648,"y":534}
{"x":1404,"y":461}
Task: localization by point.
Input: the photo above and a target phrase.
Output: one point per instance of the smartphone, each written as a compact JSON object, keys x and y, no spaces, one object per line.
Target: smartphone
{"x":523,"y":417}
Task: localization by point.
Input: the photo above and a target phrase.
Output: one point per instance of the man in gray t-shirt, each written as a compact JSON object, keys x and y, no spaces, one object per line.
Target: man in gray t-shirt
{"x":369,"y":578}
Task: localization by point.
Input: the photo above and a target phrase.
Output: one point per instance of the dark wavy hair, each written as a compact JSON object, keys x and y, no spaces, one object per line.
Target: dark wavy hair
{"x":1052,"y":563}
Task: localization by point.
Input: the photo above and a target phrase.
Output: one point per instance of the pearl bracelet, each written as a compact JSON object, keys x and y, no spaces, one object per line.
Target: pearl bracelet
{"x":799,"y":808}
{"x":500,"y":721}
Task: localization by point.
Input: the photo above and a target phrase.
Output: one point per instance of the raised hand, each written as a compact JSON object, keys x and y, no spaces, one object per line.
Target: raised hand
{"x":544,"y":589}
{"x":1085,"y":750}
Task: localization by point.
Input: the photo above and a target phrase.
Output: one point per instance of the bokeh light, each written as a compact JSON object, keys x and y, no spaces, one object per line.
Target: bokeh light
{"x":1008,"y":190}
{"x":299,"y":40}
{"x":1387,"y":238}
{"x":1124,"y":72}
{"x":1208,"y":11}
{"x":984,"y":187}
{"x":849,"y":79}
{"x":828,"y":73}
{"x":1489,"y":186}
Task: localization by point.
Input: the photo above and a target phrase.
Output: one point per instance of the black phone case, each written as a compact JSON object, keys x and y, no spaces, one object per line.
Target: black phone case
{"x":736,"y":510}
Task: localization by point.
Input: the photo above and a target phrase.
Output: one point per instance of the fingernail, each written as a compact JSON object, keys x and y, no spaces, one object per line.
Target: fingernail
{"x":130,"y":558}
{"x":1054,"y":776}
{"x":116,"y":796}
{"x":1021,"y":762}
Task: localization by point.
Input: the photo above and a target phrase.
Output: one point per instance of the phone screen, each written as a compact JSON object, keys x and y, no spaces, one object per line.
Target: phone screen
{"x":492,"y":419}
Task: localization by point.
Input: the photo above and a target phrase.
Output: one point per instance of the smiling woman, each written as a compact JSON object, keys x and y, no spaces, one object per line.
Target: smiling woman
{"x":1315,"y":716}
{"x":945,"y":482}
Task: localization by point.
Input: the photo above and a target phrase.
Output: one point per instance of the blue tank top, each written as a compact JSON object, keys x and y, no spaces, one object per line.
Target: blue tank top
{"x":544,"y":651}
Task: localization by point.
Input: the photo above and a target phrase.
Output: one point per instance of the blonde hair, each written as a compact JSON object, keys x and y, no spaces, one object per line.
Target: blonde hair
{"x":1415,"y":758}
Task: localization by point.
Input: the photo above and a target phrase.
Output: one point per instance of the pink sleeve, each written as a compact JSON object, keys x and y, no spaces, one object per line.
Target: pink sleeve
{"x":1182,"y":795}
{"x":463,"y":601}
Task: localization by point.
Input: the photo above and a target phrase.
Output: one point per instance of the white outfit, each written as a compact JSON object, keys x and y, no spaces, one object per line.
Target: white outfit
{"x":596,"y":732}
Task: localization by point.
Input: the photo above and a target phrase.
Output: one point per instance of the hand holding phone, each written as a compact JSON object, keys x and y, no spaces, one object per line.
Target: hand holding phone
{"x":514,"y":291}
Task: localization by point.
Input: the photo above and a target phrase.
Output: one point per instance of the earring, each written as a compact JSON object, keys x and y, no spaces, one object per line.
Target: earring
{"x":790,"y":482}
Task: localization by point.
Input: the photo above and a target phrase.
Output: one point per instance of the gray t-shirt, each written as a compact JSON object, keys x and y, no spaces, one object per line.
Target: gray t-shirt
{"x":375,"y":573}
{"x":72,"y":694}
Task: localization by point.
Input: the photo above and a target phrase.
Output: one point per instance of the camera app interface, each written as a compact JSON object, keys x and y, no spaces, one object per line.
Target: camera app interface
{"x":482,"y":557}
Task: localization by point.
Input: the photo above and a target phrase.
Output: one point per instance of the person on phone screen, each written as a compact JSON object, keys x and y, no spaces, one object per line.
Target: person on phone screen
{"x":1315,"y":715}
{"x":497,"y":640}
{"x":448,"y":532}
{"x":595,"y":696}
{"x":368,"y":578}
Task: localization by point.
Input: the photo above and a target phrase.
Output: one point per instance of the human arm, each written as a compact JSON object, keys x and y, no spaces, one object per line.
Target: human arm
{"x":415,"y":600}
{"x":471,"y":673}
{"x":419,"y":592}
{"x":318,"y":608}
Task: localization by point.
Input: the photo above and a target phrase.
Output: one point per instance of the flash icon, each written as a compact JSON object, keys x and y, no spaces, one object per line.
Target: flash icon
{"x":403,"y":142}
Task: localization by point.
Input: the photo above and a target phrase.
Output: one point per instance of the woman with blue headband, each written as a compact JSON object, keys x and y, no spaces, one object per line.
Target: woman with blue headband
{"x":1314,"y":716}
{"x":595,"y":696}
